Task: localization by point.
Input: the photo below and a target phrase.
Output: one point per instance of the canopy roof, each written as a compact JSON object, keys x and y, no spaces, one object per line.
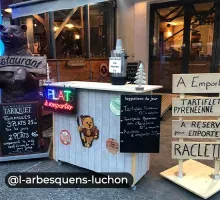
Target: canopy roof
{"x":32,"y":7}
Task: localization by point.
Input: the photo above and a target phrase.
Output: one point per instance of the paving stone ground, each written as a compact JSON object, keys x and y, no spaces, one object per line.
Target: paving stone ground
{"x":153,"y":187}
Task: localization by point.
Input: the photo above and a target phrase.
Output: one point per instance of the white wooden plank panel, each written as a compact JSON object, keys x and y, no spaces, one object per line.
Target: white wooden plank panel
{"x":105,"y":135}
{"x":196,"y":129}
{"x":196,"y":107}
{"x":74,"y":138}
{"x":196,"y":83}
{"x":95,"y":86}
{"x":113,"y":134}
{"x":85,"y":105}
{"x":98,"y":122}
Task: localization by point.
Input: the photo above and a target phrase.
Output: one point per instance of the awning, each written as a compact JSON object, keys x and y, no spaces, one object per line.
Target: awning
{"x":33,"y":7}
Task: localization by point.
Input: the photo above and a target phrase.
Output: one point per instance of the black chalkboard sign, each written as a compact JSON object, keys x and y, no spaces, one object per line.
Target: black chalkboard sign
{"x":140,"y":123}
{"x":19,"y":128}
{"x":132,"y":68}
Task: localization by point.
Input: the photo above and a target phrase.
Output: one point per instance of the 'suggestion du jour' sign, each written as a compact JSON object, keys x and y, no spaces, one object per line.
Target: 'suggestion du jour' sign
{"x":33,"y":64}
{"x":60,"y":99}
{"x":140,"y":123}
{"x":19,"y":128}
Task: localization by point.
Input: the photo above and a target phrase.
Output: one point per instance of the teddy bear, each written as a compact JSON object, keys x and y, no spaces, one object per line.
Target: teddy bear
{"x":88,"y":131}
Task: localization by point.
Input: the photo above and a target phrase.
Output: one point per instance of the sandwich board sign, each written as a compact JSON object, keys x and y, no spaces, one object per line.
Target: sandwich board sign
{"x":192,"y":175}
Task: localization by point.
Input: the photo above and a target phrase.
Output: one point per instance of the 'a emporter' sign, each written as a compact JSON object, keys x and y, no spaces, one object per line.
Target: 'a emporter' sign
{"x":33,"y":64}
{"x":196,"y":83}
{"x":196,"y":107}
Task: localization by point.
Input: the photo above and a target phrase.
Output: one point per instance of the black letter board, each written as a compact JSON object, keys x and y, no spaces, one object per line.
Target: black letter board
{"x":132,"y":68}
{"x":19,"y":128}
{"x":140,"y":123}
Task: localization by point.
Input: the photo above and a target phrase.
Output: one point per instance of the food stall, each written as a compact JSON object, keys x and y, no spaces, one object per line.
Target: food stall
{"x":88,"y":128}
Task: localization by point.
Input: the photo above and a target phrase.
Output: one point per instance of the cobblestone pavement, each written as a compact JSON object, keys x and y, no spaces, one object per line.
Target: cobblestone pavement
{"x":153,"y":187}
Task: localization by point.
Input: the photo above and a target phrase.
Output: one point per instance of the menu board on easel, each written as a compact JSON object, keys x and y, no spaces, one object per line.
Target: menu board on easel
{"x":140,"y":123}
{"x":19,"y":127}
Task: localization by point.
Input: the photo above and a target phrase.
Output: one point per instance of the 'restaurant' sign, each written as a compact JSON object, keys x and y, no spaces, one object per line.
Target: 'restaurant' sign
{"x":33,"y":64}
{"x":59,"y":99}
{"x":196,"y":83}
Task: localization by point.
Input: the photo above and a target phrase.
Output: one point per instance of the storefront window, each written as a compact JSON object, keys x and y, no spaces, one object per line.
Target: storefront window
{"x":70,"y":32}
{"x":101,"y":29}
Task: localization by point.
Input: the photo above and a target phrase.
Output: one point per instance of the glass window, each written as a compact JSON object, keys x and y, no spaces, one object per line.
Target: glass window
{"x":101,"y":29}
{"x":70,"y":34}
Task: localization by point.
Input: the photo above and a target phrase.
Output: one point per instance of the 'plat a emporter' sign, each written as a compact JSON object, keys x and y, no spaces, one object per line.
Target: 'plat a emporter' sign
{"x":196,"y":83}
{"x":59,"y":99}
{"x":33,"y":64}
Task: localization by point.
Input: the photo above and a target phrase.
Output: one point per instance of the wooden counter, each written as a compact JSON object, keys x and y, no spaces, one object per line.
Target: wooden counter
{"x":93,"y":99}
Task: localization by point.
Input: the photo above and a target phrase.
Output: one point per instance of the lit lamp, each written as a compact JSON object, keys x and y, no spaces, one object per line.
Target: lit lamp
{"x":55,"y":28}
{"x":8,"y":10}
{"x":69,"y":25}
{"x":169,"y":33}
{"x":77,"y":37}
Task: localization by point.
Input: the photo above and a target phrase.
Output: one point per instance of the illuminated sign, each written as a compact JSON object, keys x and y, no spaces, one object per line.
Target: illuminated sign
{"x":59,"y":99}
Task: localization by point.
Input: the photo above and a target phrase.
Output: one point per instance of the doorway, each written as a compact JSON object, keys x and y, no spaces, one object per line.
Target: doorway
{"x":182,"y":40}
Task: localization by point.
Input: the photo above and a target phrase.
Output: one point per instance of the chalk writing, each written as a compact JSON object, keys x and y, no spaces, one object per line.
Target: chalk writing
{"x":19,"y":128}
{"x":140,"y":123}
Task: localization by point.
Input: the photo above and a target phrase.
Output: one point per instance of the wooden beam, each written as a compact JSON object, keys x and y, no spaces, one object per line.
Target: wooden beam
{"x":74,"y":23}
{"x":65,"y":22}
{"x":40,"y":19}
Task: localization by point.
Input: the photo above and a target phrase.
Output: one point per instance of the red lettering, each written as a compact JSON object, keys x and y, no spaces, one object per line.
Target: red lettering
{"x":59,"y":106}
{"x":61,"y":96}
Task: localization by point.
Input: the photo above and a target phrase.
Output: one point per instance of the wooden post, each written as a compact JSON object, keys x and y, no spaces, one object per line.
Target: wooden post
{"x":217,"y":162}
{"x":186,"y":37}
{"x":49,"y":18}
{"x":82,"y":32}
{"x":87,"y":31}
{"x":180,"y":165}
{"x":30,"y":33}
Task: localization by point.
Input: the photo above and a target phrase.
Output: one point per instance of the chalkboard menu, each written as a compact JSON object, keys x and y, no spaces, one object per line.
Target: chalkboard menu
{"x":19,"y":128}
{"x":132,"y":68}
{"x":140,"y":123}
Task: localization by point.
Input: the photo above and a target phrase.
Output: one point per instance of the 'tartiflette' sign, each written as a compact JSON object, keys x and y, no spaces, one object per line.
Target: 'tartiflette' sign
{"x":60,"y":99}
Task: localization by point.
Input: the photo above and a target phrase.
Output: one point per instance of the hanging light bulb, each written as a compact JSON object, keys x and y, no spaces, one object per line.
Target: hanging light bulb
{"x":69,"y":25}
{"x":55,"y":28}
{"x":8,"y":10}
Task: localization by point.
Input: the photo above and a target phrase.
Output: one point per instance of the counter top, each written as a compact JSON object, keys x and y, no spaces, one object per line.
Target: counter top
{"x":105,"y":86}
